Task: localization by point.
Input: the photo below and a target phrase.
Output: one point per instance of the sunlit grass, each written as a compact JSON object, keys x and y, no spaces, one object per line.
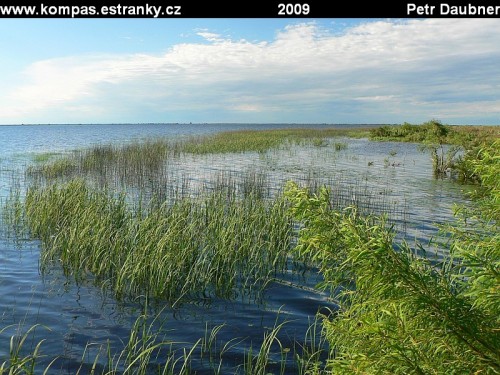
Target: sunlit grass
{"x":455,"y":135}
{"x":184,"y":249}
{"x":22,"y":360}
{"x":264,"y":140}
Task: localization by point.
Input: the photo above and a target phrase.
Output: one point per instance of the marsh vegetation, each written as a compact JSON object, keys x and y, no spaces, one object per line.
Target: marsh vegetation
{"x":134,"y":221}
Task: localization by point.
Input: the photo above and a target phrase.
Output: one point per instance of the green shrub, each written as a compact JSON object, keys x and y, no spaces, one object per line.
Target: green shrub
{"x":399,"y":313}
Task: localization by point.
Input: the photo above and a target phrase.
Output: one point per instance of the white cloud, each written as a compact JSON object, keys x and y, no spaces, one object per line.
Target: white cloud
{"x":419,"y":67}
{"x":211,"y":37}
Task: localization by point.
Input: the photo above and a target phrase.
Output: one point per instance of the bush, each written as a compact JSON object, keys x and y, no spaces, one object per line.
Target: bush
{"x":400,"y":313}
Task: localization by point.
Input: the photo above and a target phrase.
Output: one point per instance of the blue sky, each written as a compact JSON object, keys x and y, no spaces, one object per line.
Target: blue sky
{"x":250,"y":70}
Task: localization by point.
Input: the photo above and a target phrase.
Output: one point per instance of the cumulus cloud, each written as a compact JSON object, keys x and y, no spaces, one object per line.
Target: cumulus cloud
{"x":374,"y":72}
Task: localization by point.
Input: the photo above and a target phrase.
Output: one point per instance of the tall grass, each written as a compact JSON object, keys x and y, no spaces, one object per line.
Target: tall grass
{"x":427,"y":132}
{"x":208,"y":246}
{"x":23,"y":360}
{"x":445,"y":143}
{"x":399,"y":312}
{"x":264,"y":140}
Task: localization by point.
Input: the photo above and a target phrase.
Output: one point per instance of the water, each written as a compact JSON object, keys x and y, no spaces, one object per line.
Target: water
{"x":386,"y":177}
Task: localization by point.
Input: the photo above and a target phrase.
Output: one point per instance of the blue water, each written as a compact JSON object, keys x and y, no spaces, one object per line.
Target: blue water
{"x":81,"y":314}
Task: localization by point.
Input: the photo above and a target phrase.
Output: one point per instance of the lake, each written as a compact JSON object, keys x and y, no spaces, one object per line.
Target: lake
{"x":380,"y":177}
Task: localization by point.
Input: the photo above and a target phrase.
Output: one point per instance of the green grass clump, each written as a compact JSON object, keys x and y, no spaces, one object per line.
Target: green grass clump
{"x":45,"y":157}
{"x":263,"y":140}
{"x":149,"y":350}
{"x":229,"y":142}
{"x":430,"y":130}
{"x":131,"y":164}
{"x":185,"y":249}
{"x":408,"y":132}
{"x":339,"y":146}
{"x":20,"y":360}
{"x":64,"y":167}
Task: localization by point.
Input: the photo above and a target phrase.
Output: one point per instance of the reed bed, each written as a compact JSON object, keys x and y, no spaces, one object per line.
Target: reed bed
{"x":430,"y":130}
{"x":264,"y":140}
{"x":189,"y":248}
{"x":141,"y":161}
{"x":446,"y":144}
{"x":160,"y":169}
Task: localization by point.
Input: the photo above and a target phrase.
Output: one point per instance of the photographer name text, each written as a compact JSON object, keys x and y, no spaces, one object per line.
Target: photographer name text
{"x":445,"y":9}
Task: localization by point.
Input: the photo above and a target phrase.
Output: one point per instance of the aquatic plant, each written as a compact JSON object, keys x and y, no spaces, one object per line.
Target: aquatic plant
{"x":339,"y":146}
{"x":186,"y":248}
{"x":44,"y":157}
{"x":264,"y":140}
{"x":444,"y":143}
{"x":257,"y":364}
{"x":142,"y":160}
{"x":149,"y":350}
{"x":22,"y":361}
{"x":451,"y":134}
{"x":232,"y":237}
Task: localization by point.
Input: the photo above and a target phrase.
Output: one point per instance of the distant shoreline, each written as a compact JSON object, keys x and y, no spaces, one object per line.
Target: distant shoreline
{"x":201,"y":123}
{"x":229,"y":123}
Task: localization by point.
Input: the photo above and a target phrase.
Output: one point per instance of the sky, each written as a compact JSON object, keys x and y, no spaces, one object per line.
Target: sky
{"x":250,"y":71}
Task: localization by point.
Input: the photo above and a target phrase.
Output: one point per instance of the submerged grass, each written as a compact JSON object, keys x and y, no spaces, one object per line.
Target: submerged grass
{"x":148,"y":350}
{"x":183,"y":249}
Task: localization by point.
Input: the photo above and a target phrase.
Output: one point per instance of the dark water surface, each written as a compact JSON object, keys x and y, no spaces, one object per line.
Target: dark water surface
{"x":392,"y":177}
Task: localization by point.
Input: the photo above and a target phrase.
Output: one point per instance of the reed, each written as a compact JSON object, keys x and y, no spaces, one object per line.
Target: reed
{"x":422,"y":133}
{"x":339,"y":146}
{"x":259,"y":363}
{"x":148,"y":350}
{"x":139,"y":162}
{"x":191,"y":247}
{"x":313,"y":353}
{"x":264,"y":140}
{"x":44,"y":157}
{"x":21,"y":360}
